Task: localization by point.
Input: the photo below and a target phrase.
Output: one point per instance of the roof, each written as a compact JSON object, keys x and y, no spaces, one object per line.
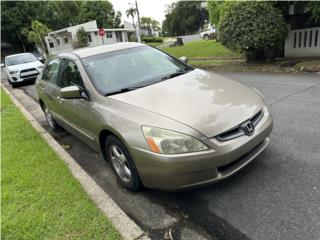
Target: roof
{"x":90,"y":51}
{"x":111,"y":30}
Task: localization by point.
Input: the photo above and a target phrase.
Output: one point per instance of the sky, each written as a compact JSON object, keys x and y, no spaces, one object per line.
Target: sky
{"x":147,"y":8}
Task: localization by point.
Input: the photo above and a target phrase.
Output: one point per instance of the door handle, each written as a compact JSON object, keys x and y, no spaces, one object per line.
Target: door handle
{"x":60,"y":99}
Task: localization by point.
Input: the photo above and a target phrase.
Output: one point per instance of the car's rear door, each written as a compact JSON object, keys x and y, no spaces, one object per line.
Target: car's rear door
{"x":47,"y":88}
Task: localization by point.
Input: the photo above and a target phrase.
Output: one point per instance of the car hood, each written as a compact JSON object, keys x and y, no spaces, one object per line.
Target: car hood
{"x":24,"y":66}
{"x":207,"y":102}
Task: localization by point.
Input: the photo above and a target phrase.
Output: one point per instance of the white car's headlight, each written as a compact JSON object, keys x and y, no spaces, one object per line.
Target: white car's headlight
{"x":13,"y":71}
{"x":170,"y":142}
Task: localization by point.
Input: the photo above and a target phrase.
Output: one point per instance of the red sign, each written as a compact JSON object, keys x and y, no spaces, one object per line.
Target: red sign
{"x":102,"y":32}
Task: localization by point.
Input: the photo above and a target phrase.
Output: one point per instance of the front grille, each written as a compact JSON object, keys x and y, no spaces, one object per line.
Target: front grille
{"x":238,"y":130}
{"x":29,"y":73}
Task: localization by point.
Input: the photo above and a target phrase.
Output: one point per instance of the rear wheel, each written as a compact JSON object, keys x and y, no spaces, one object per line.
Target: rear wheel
{"x":52,"y":123}
{"x":122,"y":163}
{"x":206,"y":37}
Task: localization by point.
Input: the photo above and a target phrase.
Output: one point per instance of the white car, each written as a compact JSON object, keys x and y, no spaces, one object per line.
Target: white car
{"x":21,"y":68}
{"x":209,"y":32}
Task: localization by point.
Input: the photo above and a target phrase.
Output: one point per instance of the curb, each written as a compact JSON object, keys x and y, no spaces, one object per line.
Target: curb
{"x":127,"y":228}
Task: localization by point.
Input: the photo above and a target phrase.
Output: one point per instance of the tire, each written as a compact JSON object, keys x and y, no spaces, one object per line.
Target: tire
{"x":13,"y":84}
{"x":50,"y":120}
{"x":122,"y":163}
{"x":206,"y":37}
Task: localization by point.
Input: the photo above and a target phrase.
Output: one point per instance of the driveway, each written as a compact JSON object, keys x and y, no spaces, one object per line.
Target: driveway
{"x":277,"y":196}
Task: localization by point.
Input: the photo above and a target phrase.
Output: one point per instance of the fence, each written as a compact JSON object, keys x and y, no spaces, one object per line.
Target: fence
{"x":303,"y":43}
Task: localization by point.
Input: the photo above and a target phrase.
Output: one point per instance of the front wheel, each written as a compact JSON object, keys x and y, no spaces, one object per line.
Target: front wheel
{"x":122,"y":163}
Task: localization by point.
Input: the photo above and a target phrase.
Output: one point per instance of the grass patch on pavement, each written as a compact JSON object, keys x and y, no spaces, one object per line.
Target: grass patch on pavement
{"x":40,"y":198}
{"x":201,"y":49}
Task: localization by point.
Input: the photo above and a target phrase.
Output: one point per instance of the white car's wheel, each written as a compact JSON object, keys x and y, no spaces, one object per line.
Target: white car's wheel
{"x":206,"y":37}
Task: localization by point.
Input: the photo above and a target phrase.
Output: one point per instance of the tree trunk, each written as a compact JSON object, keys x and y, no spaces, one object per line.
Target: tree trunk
{"x":22,"y":43}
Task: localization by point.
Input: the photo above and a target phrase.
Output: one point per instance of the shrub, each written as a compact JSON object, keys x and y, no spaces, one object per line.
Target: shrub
{"x":152,"y":39}
{"x":255,"y":28}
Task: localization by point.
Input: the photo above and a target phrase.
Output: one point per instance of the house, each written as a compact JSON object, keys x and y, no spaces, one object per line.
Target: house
{"x":65,"y":39}
{"x":304,"y":33}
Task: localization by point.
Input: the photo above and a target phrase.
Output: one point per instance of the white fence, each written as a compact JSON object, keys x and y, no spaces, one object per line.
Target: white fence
{"x":303,"y":43}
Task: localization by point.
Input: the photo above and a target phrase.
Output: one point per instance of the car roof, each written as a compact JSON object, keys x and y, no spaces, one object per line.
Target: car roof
{"x":15,"y":55}
{"x":91,"y":51}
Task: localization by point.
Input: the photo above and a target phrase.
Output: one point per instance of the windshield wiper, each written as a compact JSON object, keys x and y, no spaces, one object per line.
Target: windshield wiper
{"x":123,"y":90}
{"x":175,"y":74}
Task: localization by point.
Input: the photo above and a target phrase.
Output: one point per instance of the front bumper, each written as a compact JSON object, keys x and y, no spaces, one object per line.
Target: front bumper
{"x":181,"y":171}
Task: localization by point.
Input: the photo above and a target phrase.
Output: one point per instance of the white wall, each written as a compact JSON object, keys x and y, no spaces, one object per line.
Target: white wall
{"x":302,"y":43}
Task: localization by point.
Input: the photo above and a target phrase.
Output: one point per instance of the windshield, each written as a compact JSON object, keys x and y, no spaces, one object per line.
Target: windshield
{"x":129,"y":69}
{"x":20,"y":59}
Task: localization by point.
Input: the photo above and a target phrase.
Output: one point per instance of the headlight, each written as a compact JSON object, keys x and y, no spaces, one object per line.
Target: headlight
{"x":170,"y":142}
{"x":13,"y":71}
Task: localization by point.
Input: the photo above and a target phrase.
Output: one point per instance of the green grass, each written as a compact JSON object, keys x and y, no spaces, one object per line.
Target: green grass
{"x":40,"y":198}
{"x":201,"y":49}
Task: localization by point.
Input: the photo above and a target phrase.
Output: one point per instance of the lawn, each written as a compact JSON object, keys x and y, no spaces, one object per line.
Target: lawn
{"x":201,"y":49}
{"x":40,"y":198}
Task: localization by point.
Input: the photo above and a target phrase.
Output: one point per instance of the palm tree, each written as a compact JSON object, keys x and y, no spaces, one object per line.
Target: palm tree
{"x":131,"y":12}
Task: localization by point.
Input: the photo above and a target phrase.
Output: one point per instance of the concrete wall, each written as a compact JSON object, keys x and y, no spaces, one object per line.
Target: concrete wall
{"x":303,"y":43}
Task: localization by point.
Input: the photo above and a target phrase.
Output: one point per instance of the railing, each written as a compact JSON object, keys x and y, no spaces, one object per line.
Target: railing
{"x":303,"y":43}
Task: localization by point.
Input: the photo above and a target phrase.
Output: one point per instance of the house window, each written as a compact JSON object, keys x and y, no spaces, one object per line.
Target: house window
{"x":310,"y":38}
{"x":300,"y":36}
{"x":295,"y":40}
{"x":51,"y":44}
{"x":316,"y":39}
{"x":89,"y":38}
{"x":58,"y":42}
{"x":96,"y":33}
{"x":109,"y":35}
{"x":66,"y":40}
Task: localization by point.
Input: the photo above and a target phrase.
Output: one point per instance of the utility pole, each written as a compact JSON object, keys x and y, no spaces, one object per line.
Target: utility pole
{"x":138,"y":14}
{"x":138,"y":30}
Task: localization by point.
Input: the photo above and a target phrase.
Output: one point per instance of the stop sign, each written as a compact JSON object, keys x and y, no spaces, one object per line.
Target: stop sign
{"x":101,"y":32}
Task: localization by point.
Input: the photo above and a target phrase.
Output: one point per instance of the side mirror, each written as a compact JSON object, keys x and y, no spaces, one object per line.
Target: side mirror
{"x":184,"y":59}
{"x":70,"y":92}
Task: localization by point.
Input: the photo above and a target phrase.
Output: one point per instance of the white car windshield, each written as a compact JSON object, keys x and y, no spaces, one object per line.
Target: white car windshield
{"x":128,"y":69}
{"x":20,"y":59}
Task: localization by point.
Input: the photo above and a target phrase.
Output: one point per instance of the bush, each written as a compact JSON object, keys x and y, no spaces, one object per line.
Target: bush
{"x":255,"y":28}
{"x":152,"y":39}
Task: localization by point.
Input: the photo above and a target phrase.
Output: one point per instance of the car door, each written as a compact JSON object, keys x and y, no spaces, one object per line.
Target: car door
{"x":77,"y":114}
{"x":47,"y":88}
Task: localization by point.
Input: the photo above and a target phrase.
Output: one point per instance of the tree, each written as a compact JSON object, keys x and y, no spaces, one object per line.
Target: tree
{"x":37,"y":34}
{"x":183,"y":17}
{"x":102,"y":12}
{"x":254,"y":28}
{"x":155,"y":25}
{"x":146,"y":24}
{"x":314,"y":8}
{"x":131,"y":12}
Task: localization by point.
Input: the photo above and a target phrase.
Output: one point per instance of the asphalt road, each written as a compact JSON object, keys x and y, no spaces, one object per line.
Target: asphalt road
{"x":277,"y":196}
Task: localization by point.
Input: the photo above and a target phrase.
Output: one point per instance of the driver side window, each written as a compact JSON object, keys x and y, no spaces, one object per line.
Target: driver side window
{"x":69,"y":75}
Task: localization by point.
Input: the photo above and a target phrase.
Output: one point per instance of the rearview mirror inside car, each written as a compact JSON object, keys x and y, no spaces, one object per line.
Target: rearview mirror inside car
{"x":71,"y":92}
{"x":184,"y":59}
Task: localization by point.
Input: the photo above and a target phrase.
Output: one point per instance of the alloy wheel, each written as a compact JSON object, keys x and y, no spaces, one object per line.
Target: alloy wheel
{"x":120,"y":163}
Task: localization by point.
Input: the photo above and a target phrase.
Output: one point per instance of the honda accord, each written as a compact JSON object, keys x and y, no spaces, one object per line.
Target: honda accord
{"x":160,"y":122}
